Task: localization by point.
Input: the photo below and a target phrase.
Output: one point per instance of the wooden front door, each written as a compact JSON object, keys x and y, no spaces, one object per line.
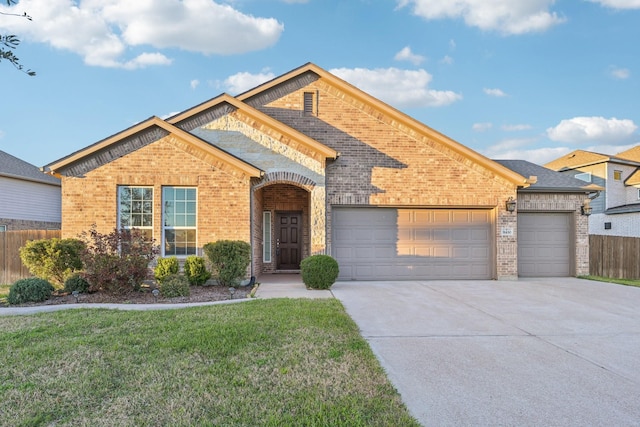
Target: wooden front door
{"x":288,"y":240}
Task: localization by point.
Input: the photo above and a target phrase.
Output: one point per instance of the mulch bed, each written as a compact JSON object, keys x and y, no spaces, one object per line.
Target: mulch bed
{"x":198,"y":294}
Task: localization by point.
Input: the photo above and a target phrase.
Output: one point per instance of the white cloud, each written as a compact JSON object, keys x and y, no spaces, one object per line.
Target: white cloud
{"x":619,"y":4}
{"x":515,"y":128}
{"x":587,"y":129}
{"x":524,"y":149}
{"x":406,"y":54}
{"x":506,"y":16}
{"x":447,"y":60}
{"x":498,"y":93}
{"x":102,"y":31}
{"x":620,"y":73}
{"x":242,"y":82}
{"x":194,"y":83}
{"x":482,"y":127}
{"x":400,"y":88}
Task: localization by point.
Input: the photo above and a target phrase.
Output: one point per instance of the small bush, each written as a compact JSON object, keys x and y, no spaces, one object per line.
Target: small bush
{"x":76,"y":283}
{"x":196,"y":271}
{"x":229,"y":259}
{"x":54,"y":259}
{"x":175,"y":285}
{"x":117,"y":262}
{"x":166,"y":267}
{"x":319,"y":271}
{"x":32,"y":289}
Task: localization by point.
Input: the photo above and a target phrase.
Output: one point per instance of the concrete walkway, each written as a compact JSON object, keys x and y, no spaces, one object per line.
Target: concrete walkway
{"x":287,"y":286}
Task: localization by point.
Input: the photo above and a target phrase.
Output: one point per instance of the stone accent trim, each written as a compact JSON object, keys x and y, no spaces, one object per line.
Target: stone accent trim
{"x":284,"y":177}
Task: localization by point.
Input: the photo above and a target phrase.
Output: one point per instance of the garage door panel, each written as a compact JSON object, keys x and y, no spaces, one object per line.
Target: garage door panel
{"x":544,"y":244}
{"x":413,"y":243}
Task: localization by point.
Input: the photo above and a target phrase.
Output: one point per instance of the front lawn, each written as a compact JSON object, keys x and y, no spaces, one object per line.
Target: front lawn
{"x":259,"y":363}
{"x":627,"y":282}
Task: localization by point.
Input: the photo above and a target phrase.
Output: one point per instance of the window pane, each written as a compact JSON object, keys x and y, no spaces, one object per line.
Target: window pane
{"x":134,"y":202}
{"x":179,"y":220}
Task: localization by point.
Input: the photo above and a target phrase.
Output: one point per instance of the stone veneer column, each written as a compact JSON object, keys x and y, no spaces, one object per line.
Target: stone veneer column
{"x":317,"y":220}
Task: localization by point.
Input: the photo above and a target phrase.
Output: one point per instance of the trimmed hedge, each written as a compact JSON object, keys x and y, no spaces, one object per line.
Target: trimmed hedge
{"x":319,"y":271}
{"x":32,"y":289}
{"x":175,"y":285}
{"x":229,"y":260}
{"x":166,"y":267}
{"x":76,"y":283}
{"x":196,"y":271}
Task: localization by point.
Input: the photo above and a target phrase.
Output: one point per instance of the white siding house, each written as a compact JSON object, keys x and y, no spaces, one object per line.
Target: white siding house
{"x":616,"y":211}
{"x":29,"y":199}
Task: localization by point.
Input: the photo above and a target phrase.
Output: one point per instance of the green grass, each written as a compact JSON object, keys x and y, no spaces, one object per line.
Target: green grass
{"x":627,"y":282}
{"x":259,"y":363}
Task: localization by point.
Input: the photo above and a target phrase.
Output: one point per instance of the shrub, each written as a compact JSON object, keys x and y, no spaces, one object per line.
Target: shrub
{"x":32,"y":289}
{"x":166,"y":267}
{"x":196,"y":271}
{"x":117,"y":262}
{"x":54,"y":259}
{"x":229,"y":260}
{"x":319,"y":271}
{"x":175,"y":285}
{"x":76,"y":282}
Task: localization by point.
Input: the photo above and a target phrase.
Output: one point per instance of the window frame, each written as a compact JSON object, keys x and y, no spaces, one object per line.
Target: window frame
{"x":186,"y":214}
{"x":585,"y":175}
{"x":618,"y":173}
{"x":146,"y":229}
{"x":267,"y":238}
{"x":3,"y":228}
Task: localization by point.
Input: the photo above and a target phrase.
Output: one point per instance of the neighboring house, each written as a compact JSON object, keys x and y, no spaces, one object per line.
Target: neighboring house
{"x":548,"y":240}
{"x":29,"y":199}
{"x":616,"y":211}
{"x":308,"y":164}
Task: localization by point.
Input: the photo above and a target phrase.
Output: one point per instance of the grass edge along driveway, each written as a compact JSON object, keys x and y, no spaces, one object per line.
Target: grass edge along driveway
{"x":280,"y":362}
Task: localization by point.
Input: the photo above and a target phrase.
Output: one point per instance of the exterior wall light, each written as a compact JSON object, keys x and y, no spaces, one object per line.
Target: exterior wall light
{"x":585,"y":209}
{"x":511,"y":204}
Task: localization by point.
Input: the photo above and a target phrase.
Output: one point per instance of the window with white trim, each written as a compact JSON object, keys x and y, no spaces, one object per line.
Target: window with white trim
{"x":266,"y":236}
{"x":135,"y":209}
{"x":179,"y":228}
{"x":3,"y":228}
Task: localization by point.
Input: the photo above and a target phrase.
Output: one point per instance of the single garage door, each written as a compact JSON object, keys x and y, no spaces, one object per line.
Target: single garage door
{"x":544,"y":244}
{"x":405,"y":244}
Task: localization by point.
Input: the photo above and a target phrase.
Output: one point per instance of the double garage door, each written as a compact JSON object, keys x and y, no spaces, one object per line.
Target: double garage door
{"x":404,"y":244}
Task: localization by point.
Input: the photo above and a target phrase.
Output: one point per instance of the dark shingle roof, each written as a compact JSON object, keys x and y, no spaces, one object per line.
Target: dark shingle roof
{"x":548,"y":180}
{"x":13,"y":167}
{"x":635,"y":207}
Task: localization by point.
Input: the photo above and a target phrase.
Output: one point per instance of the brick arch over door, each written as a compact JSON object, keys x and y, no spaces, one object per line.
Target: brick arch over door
{"x":283,"y":177}
{"x":274,"y":201}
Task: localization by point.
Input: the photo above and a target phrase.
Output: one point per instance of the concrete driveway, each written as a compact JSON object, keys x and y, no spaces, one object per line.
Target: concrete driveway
{"x":547,"y":352}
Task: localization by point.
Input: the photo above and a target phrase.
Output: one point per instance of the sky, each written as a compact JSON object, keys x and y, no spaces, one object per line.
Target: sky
{"x":511,"y":79}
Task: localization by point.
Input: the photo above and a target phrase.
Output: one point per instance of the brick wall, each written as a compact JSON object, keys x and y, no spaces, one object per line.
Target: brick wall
{"x":223,"y":191}
{"x":385,"y":163}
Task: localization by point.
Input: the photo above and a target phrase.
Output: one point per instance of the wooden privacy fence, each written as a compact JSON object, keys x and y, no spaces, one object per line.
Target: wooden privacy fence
{"x":614,"y":256}
{"x":11,"y":267}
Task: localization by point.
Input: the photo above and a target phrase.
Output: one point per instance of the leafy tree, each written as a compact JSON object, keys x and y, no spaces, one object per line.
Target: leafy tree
{"x":9,"y":43}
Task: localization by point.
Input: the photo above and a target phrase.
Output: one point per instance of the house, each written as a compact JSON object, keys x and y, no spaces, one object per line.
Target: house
{"x":547,"y":212}
{"x":29,"y":199}
{"x":616,"y":211}
{"x":307,"y":164}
